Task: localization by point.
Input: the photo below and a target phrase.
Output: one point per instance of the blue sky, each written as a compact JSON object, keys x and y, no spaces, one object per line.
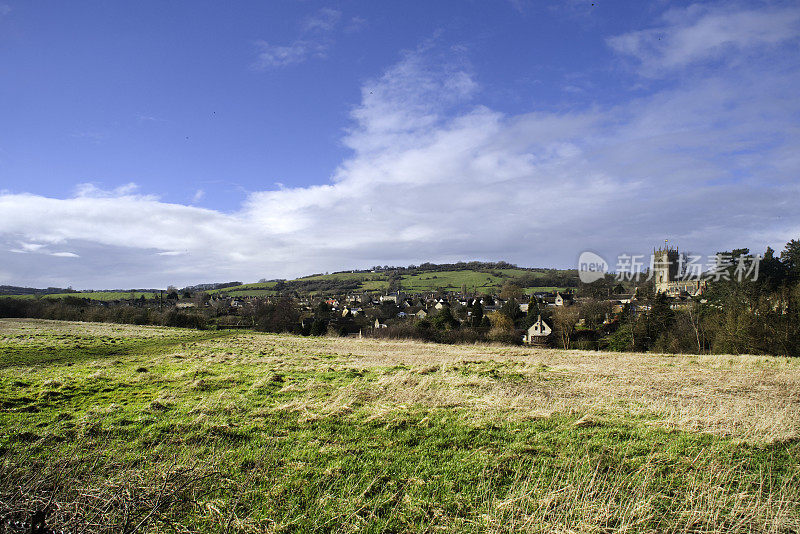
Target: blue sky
{"x":152,"y":143}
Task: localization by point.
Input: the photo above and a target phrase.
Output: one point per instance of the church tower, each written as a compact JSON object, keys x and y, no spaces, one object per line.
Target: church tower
{"x":666,"y":263}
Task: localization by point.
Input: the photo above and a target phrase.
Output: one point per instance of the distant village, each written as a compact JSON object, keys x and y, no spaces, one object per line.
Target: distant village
{"x":359,"y":314}
{"x":355,"y":314}
{"x":666,"y":310}
{"x":535,"y":314}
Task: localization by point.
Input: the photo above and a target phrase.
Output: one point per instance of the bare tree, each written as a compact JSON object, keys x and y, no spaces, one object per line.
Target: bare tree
{"x":510,"y":291}
{"x":564,"y":320}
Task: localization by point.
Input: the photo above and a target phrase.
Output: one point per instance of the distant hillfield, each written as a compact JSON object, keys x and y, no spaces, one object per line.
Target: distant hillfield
{"x":474,"y":277}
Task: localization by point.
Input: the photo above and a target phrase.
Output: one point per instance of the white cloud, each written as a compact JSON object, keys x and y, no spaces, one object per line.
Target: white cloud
{"x":356,"y":24}
{"x":38,"y":248}
{"x":27,"y":247}
{"x":313,"y":43}
{"x":94,"y":136}
{"x":90,"y":190}
{"x":142,"y":118}
{"x":701,"y":32}
{"x":283,"y":55}
{"x":401,"y":106}
{"x":198,"y":195}
{"x":709,"y":164}
{"x":324,"y":20}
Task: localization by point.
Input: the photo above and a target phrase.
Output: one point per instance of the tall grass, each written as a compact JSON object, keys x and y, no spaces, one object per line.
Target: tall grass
{"x":169,"y":430}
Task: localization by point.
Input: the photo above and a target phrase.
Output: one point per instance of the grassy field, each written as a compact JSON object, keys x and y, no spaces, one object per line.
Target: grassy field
{"x":346,"y":277}
{"x":92,"y":295}
{"x":482,"y":282}
{"x":124,"y":428}
{"x":250,"y":293}
{"x":265,"y":287}
{"x":452,"y":280}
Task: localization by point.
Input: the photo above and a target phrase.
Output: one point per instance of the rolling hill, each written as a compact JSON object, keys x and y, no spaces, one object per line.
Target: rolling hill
{"x":474,"y":276}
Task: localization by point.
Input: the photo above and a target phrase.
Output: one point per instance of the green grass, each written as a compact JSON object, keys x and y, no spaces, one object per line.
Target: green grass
{"x":92,"y":295}
{"x":485,"y":282}
{"x":451,"y":280}
{"x":482,"y":282}
{"x":251,"y":293}
{"x":346,"y":277}
{"x":375,"y":285}
{"x":251,"y":433}
{"x":261,"y":286}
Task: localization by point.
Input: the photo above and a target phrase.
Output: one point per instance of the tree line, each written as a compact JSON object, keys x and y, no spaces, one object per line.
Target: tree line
{"x":760,"y":316}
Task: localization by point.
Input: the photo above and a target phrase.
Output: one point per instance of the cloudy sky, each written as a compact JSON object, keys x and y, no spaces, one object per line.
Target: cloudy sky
{"x":153,"y":143}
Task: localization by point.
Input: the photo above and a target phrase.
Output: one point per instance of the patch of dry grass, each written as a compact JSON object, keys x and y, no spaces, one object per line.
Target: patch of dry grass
{"x":333,"y":434}
{"x":756,"y":398}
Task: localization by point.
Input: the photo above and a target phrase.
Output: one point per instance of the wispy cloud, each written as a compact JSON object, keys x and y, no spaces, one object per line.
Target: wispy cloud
{"x":402,"y":105}
{"x":313,"y":42}
{"x":25,"y":248}
{"x":93,"y":191}
{"x":144,"y":118}
{"x":701,"y":33}
{"x":39,"y":248}
{"x":355,"y":24}
{"x":519,"y":6}
{"x":324,"y":20}
{"x":270,"y":55}
{"x":91,"y":135}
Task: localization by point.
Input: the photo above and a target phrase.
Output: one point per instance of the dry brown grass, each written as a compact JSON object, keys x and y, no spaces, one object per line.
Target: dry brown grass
{"x":584,"y":498}
{"x":23,"y":331}
{"x":206,"y":387}
{"x":756,"y":398}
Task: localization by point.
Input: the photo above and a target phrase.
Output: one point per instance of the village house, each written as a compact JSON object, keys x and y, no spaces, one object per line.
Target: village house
{"x":395,"y":297}
{"x":352,"y":312}
{"x":492,"y":305}
{"x":562,"y":300}
{"x":538,"y":333}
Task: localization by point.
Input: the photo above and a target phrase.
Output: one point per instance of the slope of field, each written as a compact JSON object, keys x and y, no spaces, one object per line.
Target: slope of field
{"x":262,"y":288}
{"x":123,"y":427}
{"x":479,"y":281}
{"x":346,"y":276}
{"x":489,"y":281}
{"x":451,"y":280}
{"x":92,"y":295}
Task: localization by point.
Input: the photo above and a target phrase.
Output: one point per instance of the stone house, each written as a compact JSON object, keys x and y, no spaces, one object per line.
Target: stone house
{"x":538,"y":332}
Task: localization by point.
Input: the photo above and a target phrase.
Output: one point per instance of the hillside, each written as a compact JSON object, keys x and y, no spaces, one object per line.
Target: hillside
{"x":91,"y":295}
{"x":179,"y":430}
{"x":474,"y":276}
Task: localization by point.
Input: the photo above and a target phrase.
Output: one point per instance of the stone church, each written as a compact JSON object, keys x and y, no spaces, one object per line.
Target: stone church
{"x":667,"y":266}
